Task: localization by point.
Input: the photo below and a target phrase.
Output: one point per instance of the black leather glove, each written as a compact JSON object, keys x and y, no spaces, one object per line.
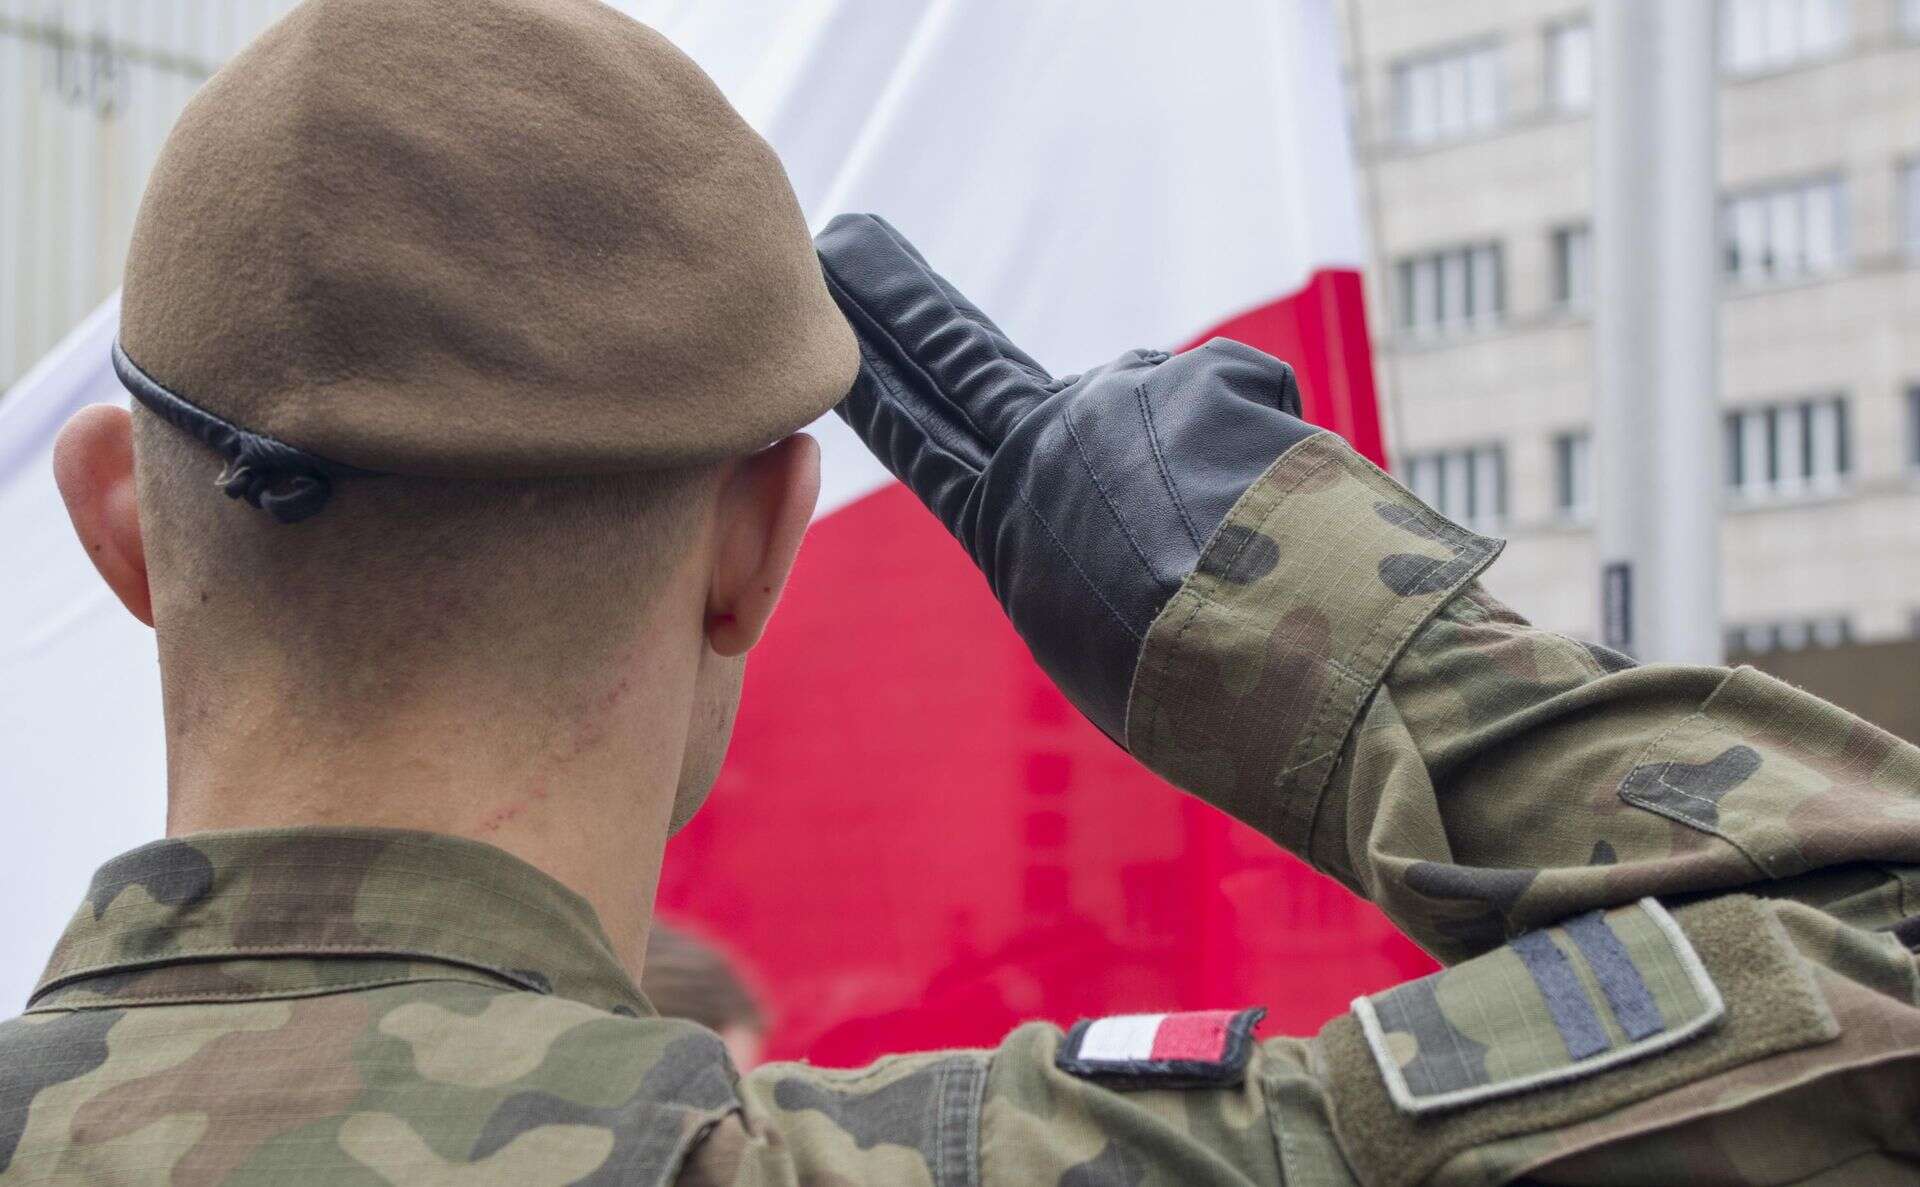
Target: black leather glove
{"x":1085,"y":500}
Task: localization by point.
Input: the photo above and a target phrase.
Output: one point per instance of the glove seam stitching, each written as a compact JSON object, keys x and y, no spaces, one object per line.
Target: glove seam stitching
{"x":1160,"y":464}
{"x":1086,"y":463}
{"x":1075,"y":565}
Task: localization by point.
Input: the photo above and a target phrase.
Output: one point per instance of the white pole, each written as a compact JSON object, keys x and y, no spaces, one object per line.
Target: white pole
{"x":1656,"y":332}
{"x":1622,"y":321}
{"x":1686,"y":299}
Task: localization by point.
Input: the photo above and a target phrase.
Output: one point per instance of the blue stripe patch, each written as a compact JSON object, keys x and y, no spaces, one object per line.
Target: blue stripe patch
{"x":1573,"y":1015}
{"x":1627,"y":993}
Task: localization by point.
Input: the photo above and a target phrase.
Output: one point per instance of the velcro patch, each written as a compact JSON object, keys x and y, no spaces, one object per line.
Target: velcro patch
{"x":1197,"y":1049}
{"x":1553,"y":1005}
{"x":1726,"y":988}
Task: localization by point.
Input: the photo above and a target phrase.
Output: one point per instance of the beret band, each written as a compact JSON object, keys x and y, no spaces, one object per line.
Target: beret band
{"x":287,"y":483}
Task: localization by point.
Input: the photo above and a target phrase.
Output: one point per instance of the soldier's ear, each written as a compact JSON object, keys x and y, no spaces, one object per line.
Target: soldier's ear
{"x":93,"y":466}
{"x":765,"y":506}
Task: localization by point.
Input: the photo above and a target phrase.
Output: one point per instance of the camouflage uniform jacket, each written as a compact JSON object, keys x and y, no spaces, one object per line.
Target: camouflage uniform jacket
{"x":1677,"y":906}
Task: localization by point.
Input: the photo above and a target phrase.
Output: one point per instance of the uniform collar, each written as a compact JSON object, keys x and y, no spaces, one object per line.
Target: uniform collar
{"x":285,"y":912}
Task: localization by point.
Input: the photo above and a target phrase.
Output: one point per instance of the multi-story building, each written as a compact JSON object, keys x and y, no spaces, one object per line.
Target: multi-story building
{"x":88,"y":91}
{"x":1473,"y":131}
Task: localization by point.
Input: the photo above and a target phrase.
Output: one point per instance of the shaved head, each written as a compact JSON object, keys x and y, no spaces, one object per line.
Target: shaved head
{"x":548,"y":665}
{"x":505,"y":610}
{"x":403,"y":580}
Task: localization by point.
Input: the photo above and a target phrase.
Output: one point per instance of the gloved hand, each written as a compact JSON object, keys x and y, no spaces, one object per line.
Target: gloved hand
{"x":1085,"y":500}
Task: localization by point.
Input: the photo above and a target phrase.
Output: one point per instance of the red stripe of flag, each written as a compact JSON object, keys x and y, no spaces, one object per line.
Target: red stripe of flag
{"x":1200,"y":1035}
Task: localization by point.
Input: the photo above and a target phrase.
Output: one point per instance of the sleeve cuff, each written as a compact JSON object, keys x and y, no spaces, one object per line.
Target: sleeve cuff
{"x":1253,"y":675}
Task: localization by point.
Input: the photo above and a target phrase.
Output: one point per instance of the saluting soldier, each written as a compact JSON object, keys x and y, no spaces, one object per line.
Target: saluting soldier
{"x":498,"y":324}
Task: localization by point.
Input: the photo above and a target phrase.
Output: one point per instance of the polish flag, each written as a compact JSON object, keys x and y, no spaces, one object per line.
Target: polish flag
{"x":915,"y":841}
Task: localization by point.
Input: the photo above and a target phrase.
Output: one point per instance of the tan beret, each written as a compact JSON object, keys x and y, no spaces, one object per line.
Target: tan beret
{"x":471,"y":238}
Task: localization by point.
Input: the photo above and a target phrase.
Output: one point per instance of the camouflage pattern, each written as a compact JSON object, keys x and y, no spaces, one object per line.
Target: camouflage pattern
{"x":1359,"y":697}
{"x":1616,"y":986}
{"x":367,"y":1007}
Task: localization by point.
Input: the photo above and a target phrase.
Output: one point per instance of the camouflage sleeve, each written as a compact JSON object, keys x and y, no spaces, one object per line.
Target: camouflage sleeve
{"x":1677,"y":903}
{"x":1523,"y":805}
{"x":1011,"y":1117}
{"x":1637,"y":1045}
{"x":1335,"y":676}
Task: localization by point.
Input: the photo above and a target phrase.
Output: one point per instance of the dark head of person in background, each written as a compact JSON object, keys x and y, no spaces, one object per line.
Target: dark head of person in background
{"x":687,"y":977}
{"x":497,"y":324}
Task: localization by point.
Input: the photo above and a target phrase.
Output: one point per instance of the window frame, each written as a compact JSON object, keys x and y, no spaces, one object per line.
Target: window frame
{"x":1447,"y":291}
{"x":1566,"y":296}
{"x":1573,"y":476}
{"x":1466,"y":483}
{"x":1912,"y":460}
{"x":1782,"y":35}
{"x":1798,"y":632}
{"x":1762,"y":225}
{"x":1782,"y":451}
{"x":1553,"y":40}
{"x":1473,"y":72}
{"x":1909,"y":186}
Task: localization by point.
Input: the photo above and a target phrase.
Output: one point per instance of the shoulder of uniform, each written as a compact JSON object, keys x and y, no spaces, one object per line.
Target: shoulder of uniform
{"x":545,"y":1061}
{"x":1051,"y":1105}
{"x":1563,"y":1025}
{"x":904,"y":1118}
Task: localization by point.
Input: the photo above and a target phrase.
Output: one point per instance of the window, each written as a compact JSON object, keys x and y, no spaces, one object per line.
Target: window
{"x":1788,"y":449}
{"x":1468,"y":484}
{"x":1785,"y":231}
{"x":1570,"y":66}
{"x":1444,"y":95}
{"x":1913,"y":426}
{"x":1790,"y":634}
{"x":1452,"y":289}
{"x":1573,"y":266}
{"x":1573,"y":475}
{"x":1910,"y":17}
{"x":1768,"y":34}
{"x":1910,"y":205}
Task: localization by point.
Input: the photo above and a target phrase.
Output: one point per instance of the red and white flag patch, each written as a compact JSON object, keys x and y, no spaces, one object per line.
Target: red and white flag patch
{"x":1200,"y":1048}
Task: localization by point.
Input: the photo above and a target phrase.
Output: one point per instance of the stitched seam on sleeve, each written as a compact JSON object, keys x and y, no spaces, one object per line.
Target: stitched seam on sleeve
{"x":960,"y":1092}
{"x":277,"y":951}
{"x":1468,"y":546}
{"x":1349,"y":712}
{"x":1646,"y":757}
{"x":940,"y":1105}
{"x":161,"y":999}
{"x":1786,"y":839}
{"x":1148,"y":680}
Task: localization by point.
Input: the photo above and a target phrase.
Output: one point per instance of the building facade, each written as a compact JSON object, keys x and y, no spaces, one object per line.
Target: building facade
{"x":88,"y":91}
{"x":1473,"y":133}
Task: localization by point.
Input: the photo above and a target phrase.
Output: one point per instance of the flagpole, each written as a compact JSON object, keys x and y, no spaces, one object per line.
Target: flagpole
{"x":1656,"y":331}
